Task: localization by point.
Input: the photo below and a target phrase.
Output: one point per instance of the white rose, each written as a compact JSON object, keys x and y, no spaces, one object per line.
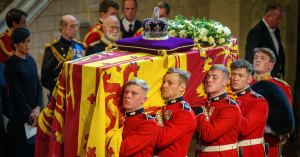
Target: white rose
{"x":219,"y":31}
{"x":180,"y":26}
{"x":203,"y":31}
{"x":196,"y":40}
{"x":204,"y":38}
{"x":172,"y":33}
{"x":211,"y":40}
{"x":182,"y":33}
{"x":221,"y":41}
{"x":227,"y":30}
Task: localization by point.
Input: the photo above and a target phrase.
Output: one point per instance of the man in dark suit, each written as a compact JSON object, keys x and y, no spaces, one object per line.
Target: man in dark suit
{"x":266,"y":34}
{"x":129,"y":25}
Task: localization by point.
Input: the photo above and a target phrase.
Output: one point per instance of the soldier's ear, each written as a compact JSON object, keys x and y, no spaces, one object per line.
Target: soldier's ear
{"x":182,"y":87}
{"x":145,"y":99}
{"x":250,"y":79}
{"x":225,"y":82}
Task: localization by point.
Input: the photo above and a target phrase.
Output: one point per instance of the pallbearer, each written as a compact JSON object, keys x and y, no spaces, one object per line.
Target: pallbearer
{"x":254,"y":109}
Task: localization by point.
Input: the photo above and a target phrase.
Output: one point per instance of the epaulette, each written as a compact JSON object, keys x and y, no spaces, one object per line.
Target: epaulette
{"x":51,"y":43}
{"x":256,"y":94}
{"x":97,"y":28}
{"x":149,"y":117}
{"x":231,"y":102}
{"x":279,"y":80}
{"x":186,"y":106}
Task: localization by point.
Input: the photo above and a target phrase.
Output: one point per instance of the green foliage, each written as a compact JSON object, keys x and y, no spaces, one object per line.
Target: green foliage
{"x":202,"y":31}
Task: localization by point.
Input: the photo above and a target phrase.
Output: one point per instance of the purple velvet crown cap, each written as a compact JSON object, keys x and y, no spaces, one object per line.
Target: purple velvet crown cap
{"x":138,"y":44}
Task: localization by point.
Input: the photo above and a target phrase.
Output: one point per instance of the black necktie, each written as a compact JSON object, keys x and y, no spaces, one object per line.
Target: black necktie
{"x":130,"y":28}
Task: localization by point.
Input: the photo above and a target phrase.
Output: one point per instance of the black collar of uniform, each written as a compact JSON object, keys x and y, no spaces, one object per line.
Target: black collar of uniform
{"x":243,"y":92}
{"x":219,"y":97}
{"x":173,"y":101}
{"x":132,"y":113}
{"x":65,"y":41}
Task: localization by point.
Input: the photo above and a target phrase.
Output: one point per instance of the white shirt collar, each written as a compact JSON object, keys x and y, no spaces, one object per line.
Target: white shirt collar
{"x":269,"y":28}
{"x":126,"y":23}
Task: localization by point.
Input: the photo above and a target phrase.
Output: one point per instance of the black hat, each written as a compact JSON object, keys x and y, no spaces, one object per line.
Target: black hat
{"x":19,"y":35}
{"x":280,"y":117}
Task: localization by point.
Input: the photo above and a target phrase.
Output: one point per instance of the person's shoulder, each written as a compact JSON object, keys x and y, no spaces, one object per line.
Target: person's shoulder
{"x":255,"y":98}
{"x":150,"y":119}
{"x":256,"y":95}
{"x":2,"y":35}
{"x":94,"y":30}
{"x":148,"y":116}
{"x":258,"y":27}
{"x":77,"y":42}
{"x":51,"y":43}
{"x":11,"y":62}
{"x":230,"y":101}
{"x":186,"y":106}
{"x":138,"y":22}
{"x":280,"y":82}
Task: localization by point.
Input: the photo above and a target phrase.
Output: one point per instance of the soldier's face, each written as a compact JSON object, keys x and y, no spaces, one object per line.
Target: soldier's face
{"x":23,"y":46}
{"x":111,"y":11}
{"x":172,"y":86}
{"x":239,"y":79}
{"x":134,"y":98}
{"x":215,"y":82}
{"x":129,"y":10}
{"x":262,"y":63}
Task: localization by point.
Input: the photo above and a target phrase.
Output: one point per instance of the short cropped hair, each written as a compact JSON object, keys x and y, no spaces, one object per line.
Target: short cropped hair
{"x":272,"y":6}
{"x":123,"y":2}
{"x":183,"y":75}
{"x":106,"y":4}
{"x":222,"y":68}
{"x":266,"y":51}
{"x":165,"y":6}
{"x":241,"y":63}
{"x":14,"y":15}
{"x":138,"y":82}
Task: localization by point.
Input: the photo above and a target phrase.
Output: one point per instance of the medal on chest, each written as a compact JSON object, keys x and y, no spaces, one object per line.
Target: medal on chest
{"x":208,"y":111}
{"x":167,"y":114}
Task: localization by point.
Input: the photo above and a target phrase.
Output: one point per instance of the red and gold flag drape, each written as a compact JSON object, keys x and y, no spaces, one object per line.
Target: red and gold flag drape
{"x":84,"y":116}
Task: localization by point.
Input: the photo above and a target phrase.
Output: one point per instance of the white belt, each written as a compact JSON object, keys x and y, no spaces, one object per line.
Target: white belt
{"x":251,"y":142}
{"x":218,"y":148}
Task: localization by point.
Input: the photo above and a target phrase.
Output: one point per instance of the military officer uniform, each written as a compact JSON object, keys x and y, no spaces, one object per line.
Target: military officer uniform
{"x":93,"y":37}
{"x":254,"y":109}
{"x":56,"y":53}
{"x":6,"y":49}
{"x":179,"y":125}
{"x":218,"y":128}
{"x":139,"y":135}
{"x":274,"y":141}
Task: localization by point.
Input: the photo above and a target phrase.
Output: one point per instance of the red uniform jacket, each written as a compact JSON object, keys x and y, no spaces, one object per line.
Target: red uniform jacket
{"x":139,"y":136}
{"x":273,"y":142}
{"x":6,"y":49}
{"x":179,"y":125}
{"x":93,"y":36}
{"x":221,"y":127}
{"x":254,"y":110}
{"x":285,"y":87}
